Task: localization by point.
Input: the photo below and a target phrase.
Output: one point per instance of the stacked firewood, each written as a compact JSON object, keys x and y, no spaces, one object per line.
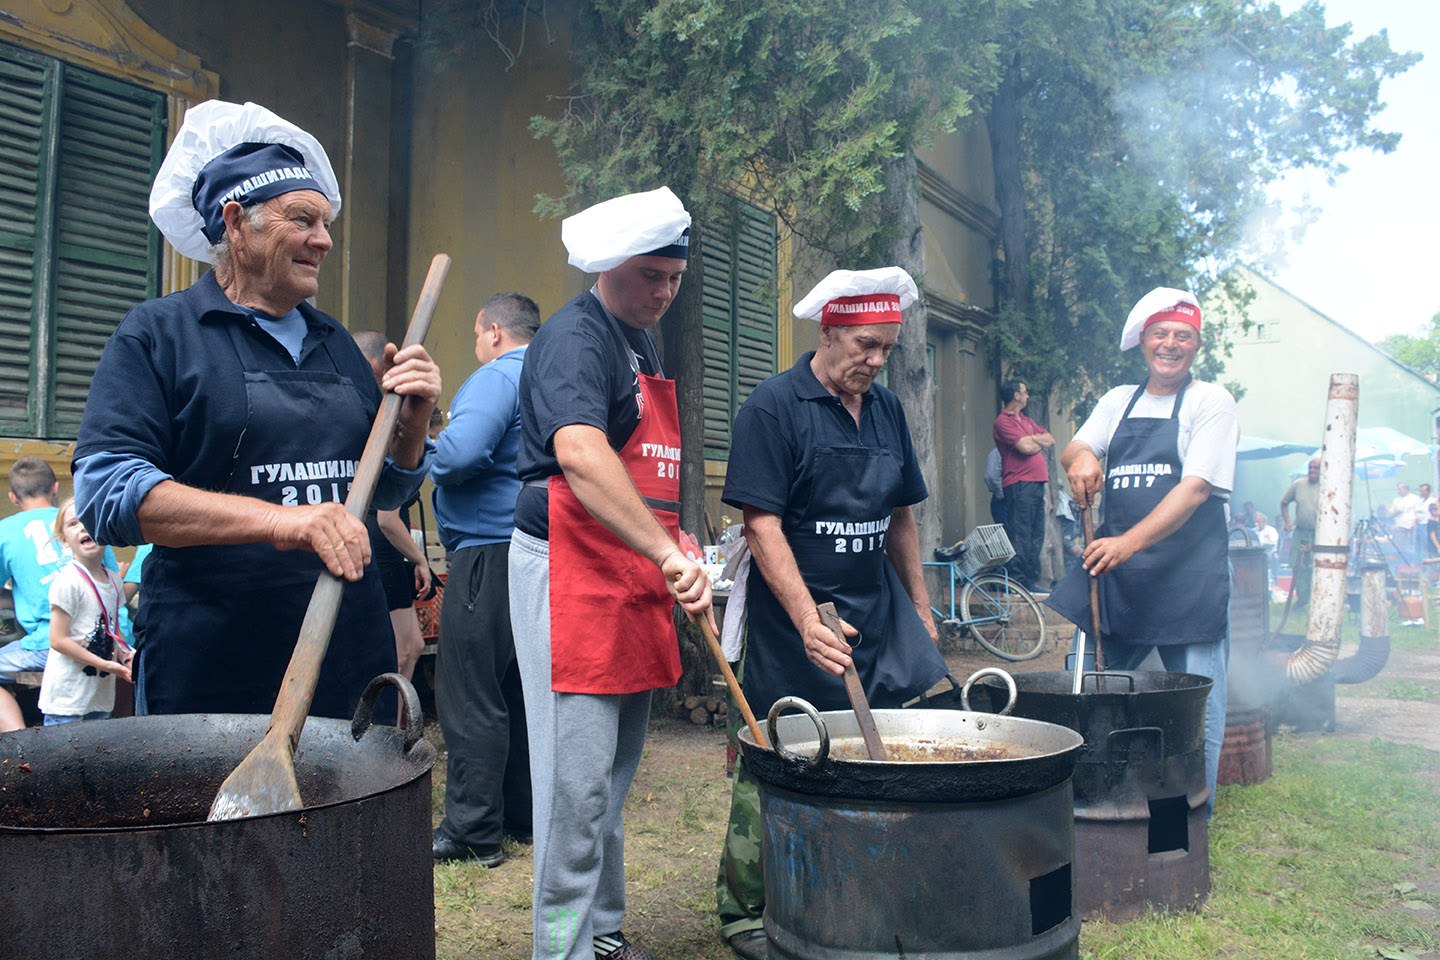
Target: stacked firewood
{"x":701,"y":711}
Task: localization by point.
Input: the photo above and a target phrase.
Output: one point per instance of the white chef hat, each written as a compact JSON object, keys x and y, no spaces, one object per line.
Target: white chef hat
{"x":847,"y":298}
{"x":604,"y":236}
{"x":1162,"y":303}
{"x":229,"y":151}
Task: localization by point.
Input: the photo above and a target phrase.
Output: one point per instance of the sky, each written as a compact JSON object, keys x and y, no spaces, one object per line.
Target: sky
{"x":1372,"y":259}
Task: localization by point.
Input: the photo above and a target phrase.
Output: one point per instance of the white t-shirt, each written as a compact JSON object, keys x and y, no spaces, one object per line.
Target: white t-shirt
{"x":1406,"y":511}
{"x":1209,"y":429}
{"x":66,"y":690}
{"x":1269,"y":537}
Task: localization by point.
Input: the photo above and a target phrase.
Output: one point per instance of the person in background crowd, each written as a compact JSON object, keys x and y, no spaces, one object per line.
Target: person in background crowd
{"x":404,"y":568}
{"x":1022,"y":444}
{"x":994,"y":482}
{"x":224,"y":424}
{"x":819,"y":451}
{"x":1423,"y":528}
{"x":1161,"y":553}
{"x":1269,"y":538}
{"x":595,"y":563}
{"x":30,"y":558}
{"x":1405,"y":524}
{"x":85,"y":602}
{"x":477,"y":677}
{"x":1304,"y":494}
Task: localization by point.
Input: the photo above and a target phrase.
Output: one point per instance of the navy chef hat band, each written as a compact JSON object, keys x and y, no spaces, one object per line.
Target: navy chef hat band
{"x":247,"y":173}
{"x":680,"y":249}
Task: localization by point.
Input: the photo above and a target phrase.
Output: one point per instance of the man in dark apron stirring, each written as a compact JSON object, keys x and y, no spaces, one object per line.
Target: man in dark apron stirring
{"x":1160,"y":553}
{"x":595,"y":568}
{"x":224,"y":425}
{"x":823,"y":468}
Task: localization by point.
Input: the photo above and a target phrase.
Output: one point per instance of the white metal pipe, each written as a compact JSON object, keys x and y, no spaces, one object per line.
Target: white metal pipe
{"x":1332,"y":534}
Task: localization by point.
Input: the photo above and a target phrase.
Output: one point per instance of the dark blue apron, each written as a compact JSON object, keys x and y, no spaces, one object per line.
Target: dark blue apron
{"x":1178,"y":590}
{"x":218,"y":623}
{"x":839,"y":544}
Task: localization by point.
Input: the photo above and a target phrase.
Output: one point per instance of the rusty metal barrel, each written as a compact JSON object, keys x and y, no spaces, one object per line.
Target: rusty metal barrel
{"x":1245,"y":755}
{"x":957,"y":848}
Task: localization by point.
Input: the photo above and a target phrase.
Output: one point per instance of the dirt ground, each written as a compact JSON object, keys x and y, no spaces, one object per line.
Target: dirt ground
{"x":676,"y":815}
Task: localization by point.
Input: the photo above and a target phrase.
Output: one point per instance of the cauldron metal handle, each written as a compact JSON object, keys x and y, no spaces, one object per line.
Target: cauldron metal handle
{"x":1102,"y":675}
{"x":409,"y":699}
{"x":1135,"y":731}
{"x":786,"y":703}
{"x":989,"y":672}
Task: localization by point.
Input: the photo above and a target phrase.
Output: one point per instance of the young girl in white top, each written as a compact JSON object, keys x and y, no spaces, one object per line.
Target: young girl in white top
{"x":85,"y":600}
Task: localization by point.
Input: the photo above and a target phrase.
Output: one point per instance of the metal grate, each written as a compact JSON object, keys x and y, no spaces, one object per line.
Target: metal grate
{"x":987,"y":546}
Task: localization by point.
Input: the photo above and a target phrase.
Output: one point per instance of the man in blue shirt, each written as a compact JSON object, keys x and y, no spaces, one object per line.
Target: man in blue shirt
{"x":477,"y":680}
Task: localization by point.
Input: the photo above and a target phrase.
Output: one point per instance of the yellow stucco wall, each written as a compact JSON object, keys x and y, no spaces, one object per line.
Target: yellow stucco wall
{"x":475,"y":171}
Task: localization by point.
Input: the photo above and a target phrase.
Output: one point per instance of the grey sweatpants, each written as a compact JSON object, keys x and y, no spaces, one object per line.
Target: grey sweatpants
{"x":584,"y":749}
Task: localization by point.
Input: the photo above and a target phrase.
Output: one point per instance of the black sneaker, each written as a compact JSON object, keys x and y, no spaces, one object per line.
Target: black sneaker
{"x":749,"y":944}
{"x":448,"y":851}
{"x":615,"y":946}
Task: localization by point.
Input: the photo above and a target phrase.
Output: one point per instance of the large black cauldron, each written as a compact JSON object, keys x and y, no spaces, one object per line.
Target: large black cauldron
{"x":105,"y":852}
{"x":957,"y":848}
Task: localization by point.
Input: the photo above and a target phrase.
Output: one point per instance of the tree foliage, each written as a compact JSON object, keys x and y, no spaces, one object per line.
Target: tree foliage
{"x":801,"y":102}
{"x":1144,"y":135}
{"x":1421,"y":351}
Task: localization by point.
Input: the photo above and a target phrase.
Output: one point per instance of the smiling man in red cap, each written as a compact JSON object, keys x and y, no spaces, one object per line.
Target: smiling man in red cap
{"x":822,"y":466}
{"x":1168,"y":447}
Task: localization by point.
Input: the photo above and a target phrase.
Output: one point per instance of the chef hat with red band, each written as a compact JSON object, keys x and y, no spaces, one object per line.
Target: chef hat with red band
{"x":1162,"y":303}
{"x":851,"y":298}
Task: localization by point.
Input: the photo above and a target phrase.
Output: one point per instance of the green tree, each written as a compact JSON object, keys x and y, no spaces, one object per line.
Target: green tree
{"x":1421,"y":350}
{"x":813,"y":107}
{"x":1133,"y":141}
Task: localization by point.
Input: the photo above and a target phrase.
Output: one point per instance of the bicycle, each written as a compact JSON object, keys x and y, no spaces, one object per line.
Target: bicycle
{"x":998,"y":612}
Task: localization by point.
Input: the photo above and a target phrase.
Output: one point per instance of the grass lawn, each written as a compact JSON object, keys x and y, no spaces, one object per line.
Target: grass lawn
{"x":1337,"y":855}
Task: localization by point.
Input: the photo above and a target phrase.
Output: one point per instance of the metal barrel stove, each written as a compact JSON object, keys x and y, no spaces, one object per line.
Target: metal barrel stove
{"x":1251,"y":678}
{"x":105,"y":852}
{"x":959,"y":847}
{"x":1141,"y":828}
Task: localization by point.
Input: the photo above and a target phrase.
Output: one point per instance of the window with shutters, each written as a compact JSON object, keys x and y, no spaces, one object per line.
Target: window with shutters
{"x":740,"y":304}
{"x":77,"y":249}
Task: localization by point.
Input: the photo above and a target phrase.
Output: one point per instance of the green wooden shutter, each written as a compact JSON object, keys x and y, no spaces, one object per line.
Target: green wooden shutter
{"x":107,"y":250}
{"x":740,"y":298}
{"x":77,"y":249}
{"x":22,"y":180}
{"x":719,"y":325}
{"x":755,"y":301}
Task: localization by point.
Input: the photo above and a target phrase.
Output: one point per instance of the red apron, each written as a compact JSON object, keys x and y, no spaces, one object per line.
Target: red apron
{"x":612,"y":627}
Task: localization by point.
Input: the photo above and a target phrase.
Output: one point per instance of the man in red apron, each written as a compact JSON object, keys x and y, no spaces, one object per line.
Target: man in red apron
{"x":595,"y":568}
{"x":823,"y":467}
{"x":1161,"y":551}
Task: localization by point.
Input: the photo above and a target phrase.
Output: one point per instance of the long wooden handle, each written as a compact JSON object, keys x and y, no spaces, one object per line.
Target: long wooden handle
{"x":874,"y":746}
{"x":732,"y":683}
{"x":1088,"y":525}
{"x":297,"y":690}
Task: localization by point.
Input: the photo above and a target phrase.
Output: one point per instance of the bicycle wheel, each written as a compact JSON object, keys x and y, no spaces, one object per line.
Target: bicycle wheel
{"x":1003,"y":617}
